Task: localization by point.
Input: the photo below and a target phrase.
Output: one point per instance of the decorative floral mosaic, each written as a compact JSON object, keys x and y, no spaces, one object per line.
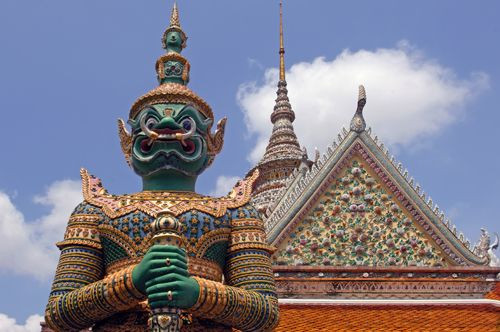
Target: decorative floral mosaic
{"x":357,"y":222}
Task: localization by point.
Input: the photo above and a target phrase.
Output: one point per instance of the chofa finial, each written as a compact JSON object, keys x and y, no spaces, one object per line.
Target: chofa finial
{"x":358,"y":123}
{"x":362,"y":93}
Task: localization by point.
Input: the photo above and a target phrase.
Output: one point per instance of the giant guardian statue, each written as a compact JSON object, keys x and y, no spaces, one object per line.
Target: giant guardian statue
{"x":165,"y":258}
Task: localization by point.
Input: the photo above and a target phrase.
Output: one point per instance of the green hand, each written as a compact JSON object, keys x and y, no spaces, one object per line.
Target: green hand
{"x":154,"y":278}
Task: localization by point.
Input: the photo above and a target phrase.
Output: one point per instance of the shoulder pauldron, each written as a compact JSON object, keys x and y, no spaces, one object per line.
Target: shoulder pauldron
{"x":154,"y":202}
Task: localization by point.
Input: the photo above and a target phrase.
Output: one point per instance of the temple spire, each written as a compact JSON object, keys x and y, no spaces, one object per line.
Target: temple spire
{"x":282,"y":45}
{"x":282,"y":108}
{"x":283,"y":152}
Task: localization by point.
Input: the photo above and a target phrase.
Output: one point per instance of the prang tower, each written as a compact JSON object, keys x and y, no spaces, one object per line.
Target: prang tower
{"x":283,"y":153}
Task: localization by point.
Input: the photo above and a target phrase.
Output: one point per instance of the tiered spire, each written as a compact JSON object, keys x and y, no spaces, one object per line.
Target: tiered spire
{"x":283,"y":153}
{"x":283,"y":143}
{"x":172,"y":71}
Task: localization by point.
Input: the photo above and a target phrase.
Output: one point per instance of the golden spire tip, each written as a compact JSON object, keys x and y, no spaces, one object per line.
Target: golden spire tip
{"x":282,"y":45}
{"x":174,"y":18}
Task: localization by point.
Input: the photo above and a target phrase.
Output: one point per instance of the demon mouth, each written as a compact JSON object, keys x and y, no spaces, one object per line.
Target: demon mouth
{"x":187,"y":145}
{"x":168,"y":134}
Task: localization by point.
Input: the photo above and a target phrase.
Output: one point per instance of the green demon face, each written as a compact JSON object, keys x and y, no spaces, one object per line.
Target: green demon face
{"x":169,"y":138}
{"x":173,"y":41}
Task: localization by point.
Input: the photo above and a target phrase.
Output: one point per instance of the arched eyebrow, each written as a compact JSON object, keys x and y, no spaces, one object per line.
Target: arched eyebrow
{"x":134,"y":123}
{"x":202,"y":122}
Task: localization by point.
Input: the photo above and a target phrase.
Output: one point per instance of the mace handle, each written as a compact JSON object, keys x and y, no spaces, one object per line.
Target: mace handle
{"x":167,"y":230}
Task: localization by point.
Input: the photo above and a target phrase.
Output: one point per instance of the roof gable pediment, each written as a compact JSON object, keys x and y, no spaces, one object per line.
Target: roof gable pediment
{"x":358,"y":221}
{"x":394,"y":226}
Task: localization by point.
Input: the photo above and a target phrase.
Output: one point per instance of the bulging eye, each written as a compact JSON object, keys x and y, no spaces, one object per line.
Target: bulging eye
{"x":186,"y":124}
{"x":151,"y":122}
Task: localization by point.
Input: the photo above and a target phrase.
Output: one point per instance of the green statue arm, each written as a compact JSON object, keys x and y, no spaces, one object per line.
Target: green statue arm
{"x":80,"y":294}
{"x":248,"y":302}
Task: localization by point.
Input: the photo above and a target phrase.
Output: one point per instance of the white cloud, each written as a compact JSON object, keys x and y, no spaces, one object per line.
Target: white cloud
{"x":410,"y":97}
{"x":223,"y":185}
{"x":32,"y":324}
{"x":255,"y":63}
{"x":28,"y":247}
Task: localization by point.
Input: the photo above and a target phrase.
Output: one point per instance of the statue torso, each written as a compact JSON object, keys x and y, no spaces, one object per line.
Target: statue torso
{"x":123,"y":232}
{"x":125,"y":238}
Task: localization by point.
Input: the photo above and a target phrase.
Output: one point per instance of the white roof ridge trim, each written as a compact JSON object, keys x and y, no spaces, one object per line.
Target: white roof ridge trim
{"x":418,"y":190}
{"x":284,"y":200}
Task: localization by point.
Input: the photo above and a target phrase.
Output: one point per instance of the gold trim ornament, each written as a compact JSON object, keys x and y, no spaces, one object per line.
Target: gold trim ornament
{"x":154,"y":203}
{"x":125,"y":140}
{"x":171,"y":93}
{"x":160,"y":65}
{"x":216,"y":141}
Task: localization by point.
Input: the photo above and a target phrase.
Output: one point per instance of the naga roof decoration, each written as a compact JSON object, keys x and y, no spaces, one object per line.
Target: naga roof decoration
{"x":154,"y":202}
{"x":339,"y":183}
{"x":283,"y":153}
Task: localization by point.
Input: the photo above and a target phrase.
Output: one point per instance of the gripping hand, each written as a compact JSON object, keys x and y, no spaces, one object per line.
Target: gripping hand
{"x":163,"y":276}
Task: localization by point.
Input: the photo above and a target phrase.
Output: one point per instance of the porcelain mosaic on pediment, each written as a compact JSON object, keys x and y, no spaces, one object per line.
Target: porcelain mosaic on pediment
{"x":358,"y":222}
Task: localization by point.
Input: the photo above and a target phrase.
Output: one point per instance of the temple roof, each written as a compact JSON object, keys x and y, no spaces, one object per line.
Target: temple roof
{"x":495,"y":293}
{"x":401,"y":317}
{"x":358,"y":150}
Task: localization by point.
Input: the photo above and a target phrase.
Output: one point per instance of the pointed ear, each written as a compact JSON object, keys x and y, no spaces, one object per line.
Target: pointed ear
{"x":125,"y":140}
{"x":216,"y":141}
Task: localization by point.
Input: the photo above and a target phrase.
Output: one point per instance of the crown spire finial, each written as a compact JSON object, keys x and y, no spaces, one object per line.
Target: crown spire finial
{"x":358,"y":123}
{"x":174,"y":17}
{"x":175,"y":27}
{"x":282,"y":46}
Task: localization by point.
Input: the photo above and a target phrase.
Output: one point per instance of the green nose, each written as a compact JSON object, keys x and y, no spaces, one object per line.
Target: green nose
{"x":167,"y":122}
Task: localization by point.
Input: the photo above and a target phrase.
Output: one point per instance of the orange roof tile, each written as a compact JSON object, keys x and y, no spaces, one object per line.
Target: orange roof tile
{"x":389,"y":318}
{"x":495,"y":292}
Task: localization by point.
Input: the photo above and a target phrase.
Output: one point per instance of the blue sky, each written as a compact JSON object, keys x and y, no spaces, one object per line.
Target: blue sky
{"x":69,"y":69}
